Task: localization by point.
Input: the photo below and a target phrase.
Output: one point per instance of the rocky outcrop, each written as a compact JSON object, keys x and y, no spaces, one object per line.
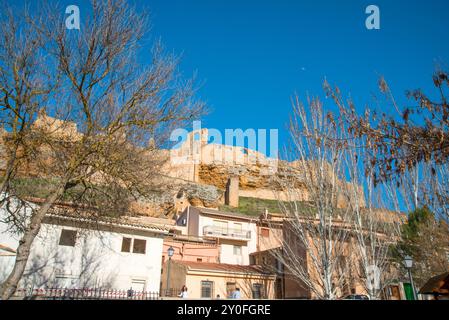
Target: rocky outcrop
{"x":201,"y":195}
{"x":251,"y":176}
{"x":177,"y":197}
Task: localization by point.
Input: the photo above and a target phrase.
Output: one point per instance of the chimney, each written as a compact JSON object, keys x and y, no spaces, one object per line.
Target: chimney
{"x":232,"y":192}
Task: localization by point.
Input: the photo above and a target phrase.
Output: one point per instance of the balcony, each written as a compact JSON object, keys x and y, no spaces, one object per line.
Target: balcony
{"x":227,"y":233}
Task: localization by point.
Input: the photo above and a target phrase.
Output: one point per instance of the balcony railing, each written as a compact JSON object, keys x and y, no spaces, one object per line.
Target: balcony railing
{"x":219,"y":232}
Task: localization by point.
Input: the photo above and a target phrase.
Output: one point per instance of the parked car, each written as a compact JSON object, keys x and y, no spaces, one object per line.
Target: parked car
{"x":355,"y":297}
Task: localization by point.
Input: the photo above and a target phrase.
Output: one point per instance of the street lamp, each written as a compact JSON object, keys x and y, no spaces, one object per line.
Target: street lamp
{"x":408,"y":262}
{"x":170,"y":252}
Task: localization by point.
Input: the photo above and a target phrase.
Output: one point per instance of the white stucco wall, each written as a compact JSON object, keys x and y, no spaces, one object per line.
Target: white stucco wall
{"x":226,"y":246}
{"x":227,"y":254}
{"x":252,"y":243}
{"x":9,"y":237}
{"x":95,"y":261}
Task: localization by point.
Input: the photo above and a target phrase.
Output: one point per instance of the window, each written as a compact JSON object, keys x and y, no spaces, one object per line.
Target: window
{"x":207,"y":289}
{"x":221,"y":226}
{"x":238,"y":230}
{"x":230,"y":288}
{"x":252,"y":260}
{"x":278,"y":265}
{"x":68,"y":238}
{"x":238,"y":250}
{"x":199,"y":260}
{"x":126,"y":245}
{"x":139,"y":246}
{"x":257,"y":290}
{"x":265,"y":232}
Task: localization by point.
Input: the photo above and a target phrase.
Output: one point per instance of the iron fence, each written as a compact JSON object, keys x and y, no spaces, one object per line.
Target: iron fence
{"x":85,"y":294}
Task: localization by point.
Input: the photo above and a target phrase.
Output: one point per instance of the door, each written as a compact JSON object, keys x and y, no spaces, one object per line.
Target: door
{"x":230,"y":288}
{"x":395,"y":295}
{"x":408,"y":291}
{"x":138,"y":285}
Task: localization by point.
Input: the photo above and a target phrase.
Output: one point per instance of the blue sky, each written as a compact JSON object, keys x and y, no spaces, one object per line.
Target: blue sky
{"x":251,"y":56}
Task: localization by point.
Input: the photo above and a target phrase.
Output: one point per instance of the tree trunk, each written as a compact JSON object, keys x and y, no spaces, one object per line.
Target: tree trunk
{"x":8,"y":287}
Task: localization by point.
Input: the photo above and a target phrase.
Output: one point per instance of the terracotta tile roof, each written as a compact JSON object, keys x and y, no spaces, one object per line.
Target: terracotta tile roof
{"x":75,"y":212}
{"x":189,"y":238}
{"x":123,"y":222}
{"x":225,"y":268}
{"x":438,"y":284}
{"x":279,"y":248}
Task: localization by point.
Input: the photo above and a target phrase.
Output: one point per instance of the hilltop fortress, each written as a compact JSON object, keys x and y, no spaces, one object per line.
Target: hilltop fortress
{"x":203,"y":174}
{"x":237,"y":172}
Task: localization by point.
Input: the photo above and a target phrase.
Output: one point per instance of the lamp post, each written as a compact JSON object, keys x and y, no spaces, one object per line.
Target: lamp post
{"x":170,"y":252}
{"x":408,"y":262}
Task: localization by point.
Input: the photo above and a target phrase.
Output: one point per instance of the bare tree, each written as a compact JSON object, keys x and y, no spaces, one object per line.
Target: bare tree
{"x":377,"y":234}
{"x":315,"y":239}
{"x":376,"y":227}
{"x":97,"y":140}
{"x":341,"y":237}
{"x":425,"y":185}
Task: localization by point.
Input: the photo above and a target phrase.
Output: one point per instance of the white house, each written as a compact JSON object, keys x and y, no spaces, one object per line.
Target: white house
{"x":75,"y":252}
{"x":236,"y":233}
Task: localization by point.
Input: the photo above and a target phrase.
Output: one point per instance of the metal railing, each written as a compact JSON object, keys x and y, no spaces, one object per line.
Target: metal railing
{"x":85,"y":294}
{"x":226,"y":232}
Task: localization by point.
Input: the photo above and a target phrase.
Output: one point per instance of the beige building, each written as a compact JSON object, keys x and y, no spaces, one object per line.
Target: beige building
{"x":210,"y":280}
{"x":289,"y":287}
{"x":189,"y":248}
{"x":269,"y":228}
